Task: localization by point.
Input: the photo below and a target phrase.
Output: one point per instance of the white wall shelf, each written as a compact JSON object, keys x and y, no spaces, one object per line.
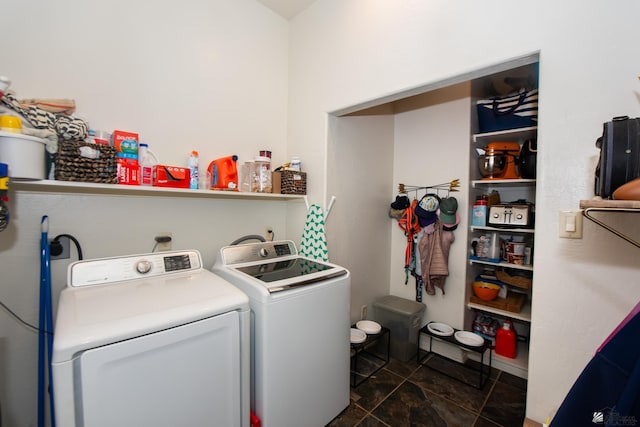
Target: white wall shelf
{"x":503,"y":229}
{"x":68,"y":187}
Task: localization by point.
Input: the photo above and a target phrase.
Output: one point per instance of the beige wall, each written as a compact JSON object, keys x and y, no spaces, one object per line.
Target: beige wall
{"x":227,"y":77}
{"x":205,"y":75}
{"x":349,"y":53}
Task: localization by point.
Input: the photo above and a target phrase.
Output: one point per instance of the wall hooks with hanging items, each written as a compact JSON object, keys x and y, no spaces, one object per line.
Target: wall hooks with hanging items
{"x":402,"y":201}
{"x":447,"y":187}
{"x":428,"y":223}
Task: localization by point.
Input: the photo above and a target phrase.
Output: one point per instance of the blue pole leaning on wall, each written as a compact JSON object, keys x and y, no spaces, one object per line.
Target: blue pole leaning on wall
{"x":45,"y":325}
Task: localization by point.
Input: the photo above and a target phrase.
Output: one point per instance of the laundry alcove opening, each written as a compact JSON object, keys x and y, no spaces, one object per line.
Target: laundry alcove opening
{"x":419,"y":136}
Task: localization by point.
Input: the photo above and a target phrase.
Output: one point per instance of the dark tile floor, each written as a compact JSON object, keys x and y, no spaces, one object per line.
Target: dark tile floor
{"x":407,"y":394}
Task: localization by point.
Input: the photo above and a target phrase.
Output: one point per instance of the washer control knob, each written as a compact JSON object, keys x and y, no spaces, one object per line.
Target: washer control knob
{"x":143,"y":267}
{"x":264,"y":252}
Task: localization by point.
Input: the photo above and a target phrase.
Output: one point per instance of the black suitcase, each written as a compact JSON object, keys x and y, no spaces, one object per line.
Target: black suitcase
{"x":619,"y":155}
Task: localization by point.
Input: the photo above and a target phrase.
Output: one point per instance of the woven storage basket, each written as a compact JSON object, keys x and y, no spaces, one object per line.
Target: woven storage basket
{"x":289,"y":182}
{"x":70,"y":165}
{"x":517,"y":281}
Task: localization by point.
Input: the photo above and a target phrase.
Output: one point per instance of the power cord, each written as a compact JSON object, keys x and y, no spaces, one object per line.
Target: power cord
{"x":248,"y":237}
{"x":25,"y":323}
{"x":160,"y":239}
{"x":55,"y":249}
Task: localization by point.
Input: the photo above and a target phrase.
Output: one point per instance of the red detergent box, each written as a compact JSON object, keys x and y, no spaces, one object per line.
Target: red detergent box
{"x":128,"y":171}
{"x":126,"y":144}
{"x":170,"y":176}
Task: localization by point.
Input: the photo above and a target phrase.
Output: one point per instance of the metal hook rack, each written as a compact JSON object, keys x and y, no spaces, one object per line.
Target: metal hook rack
{"x":449,"y":187}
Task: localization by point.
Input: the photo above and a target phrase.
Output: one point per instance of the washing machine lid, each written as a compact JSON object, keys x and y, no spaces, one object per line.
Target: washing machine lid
{"x":284,"y":274}
{"x":275,"y":265}
{"x":133,"y":304}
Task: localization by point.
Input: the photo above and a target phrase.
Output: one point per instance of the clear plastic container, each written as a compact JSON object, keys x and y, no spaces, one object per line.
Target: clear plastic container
{"x":246,"y":176}
{"x":261,"y":175}
{"x":295,"y":164}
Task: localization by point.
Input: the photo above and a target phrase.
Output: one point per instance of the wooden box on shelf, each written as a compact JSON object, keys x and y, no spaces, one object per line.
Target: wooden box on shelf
{"x":512,"y":303}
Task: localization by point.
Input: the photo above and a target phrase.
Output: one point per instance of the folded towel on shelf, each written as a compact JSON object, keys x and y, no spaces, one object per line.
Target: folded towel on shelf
{"x":57,"y":106}
{"x":67,"y":128}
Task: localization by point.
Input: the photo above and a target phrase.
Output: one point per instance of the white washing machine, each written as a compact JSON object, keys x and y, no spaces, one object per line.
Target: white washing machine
{"x":150,"y":340}
{"x":299,"y":332}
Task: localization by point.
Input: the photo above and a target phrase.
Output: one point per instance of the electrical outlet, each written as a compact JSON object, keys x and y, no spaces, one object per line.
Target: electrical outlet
{"x":363,"y":312}
{"x":163,"y":240}
{"x":65,"y":245}
{"x":268,"y":233}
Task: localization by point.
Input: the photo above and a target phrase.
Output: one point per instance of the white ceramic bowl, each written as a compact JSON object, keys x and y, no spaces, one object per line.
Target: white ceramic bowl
{"x":441,"y":329}
{"x":369,"y":326}
{"x":469,"y":338}
{"x":357,"y":336}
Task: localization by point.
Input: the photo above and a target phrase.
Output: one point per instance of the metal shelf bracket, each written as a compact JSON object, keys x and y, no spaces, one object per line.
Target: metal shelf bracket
{"x":587,"y":212}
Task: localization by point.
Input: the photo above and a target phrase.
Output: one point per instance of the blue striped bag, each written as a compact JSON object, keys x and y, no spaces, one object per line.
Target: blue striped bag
{"x":512,"y":111}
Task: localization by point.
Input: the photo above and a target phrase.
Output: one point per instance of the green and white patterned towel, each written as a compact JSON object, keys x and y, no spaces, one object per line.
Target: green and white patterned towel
{"x":314,"y":241}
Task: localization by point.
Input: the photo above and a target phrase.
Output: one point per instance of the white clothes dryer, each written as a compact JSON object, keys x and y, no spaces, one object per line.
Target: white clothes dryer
{"x":150,"y":340}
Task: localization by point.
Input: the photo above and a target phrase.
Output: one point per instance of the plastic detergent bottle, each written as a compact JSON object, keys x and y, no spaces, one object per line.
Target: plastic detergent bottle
{"x":224,"y":173}
{"x":506,"y":341}
{"x":146,"y":164}
{"x":193,"y":170}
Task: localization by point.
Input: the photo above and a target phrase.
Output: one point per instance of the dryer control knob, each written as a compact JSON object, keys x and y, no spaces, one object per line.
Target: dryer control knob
{"x":143,"y":266}
{"x":263,"y":252}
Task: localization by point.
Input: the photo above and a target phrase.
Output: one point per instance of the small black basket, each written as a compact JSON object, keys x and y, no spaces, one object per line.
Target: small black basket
{"x":98,"y":165}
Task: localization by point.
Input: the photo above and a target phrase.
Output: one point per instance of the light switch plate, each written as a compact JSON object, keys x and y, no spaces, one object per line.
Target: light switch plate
{"x":570,"y":224}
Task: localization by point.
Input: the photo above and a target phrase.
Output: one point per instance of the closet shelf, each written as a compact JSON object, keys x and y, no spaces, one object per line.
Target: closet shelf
{"x":526,"y":267}
{"x":480,"y":182}
{"x":503,"y":230}
{"x":506,"y":135}
{"x":51,"y":186}
{"x":624,"y":206}
{"x":524,"y":315}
